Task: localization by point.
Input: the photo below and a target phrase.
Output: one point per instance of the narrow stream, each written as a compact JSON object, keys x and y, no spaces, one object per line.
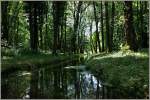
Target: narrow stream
{"x":71,"y":81}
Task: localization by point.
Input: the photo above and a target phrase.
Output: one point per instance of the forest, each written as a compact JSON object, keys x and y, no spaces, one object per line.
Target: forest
{"x":74,"y":49}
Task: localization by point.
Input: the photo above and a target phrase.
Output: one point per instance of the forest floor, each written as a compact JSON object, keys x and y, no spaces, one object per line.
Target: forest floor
{"x":122,"y":69}
{"x":25,"y":62}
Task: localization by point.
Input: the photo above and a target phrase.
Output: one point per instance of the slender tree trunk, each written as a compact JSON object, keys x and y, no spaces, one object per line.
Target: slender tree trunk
{"x":65,"y":33}
{"x":58,"y":13}
{"x":5,"y":21}
{"x":112,"y":26}
{"x":97,"y":33}
{"x":55,"y":26}
{"x":91,"y":40}
{"x":33,"y":26}
{"x":143,"y":34}
{"x":107,"y":27}
{"x":102,"y":31}
{"x":61,"y":35}
{"x":35,"y":43}
{"x":46,"y":44}
{"x":76,"y":23}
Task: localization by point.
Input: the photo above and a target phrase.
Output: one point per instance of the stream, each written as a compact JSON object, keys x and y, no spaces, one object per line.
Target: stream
{"x":71,"y":81}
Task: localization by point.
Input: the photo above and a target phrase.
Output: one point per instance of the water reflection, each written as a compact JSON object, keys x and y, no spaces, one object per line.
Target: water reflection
{"x":63,"y":82}
{"x":15,"y":85}
{"x":53,"y":82}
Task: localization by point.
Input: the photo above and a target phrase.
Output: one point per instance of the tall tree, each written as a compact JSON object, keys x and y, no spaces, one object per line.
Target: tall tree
{"x":107,"y":27}
{"x":33,"y":13}
{"x":112,"y":26}
{"x":97,"y":33}
{"x":58,"y":12}
{"x":4,"y":8}
{"x":129,"y":29}
{"x":102,"y":29}
{"x":143,"y":33}
{"x":76,"y":23}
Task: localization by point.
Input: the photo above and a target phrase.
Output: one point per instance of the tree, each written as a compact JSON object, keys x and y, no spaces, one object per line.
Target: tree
{"x":143,"y":34}
{"x":129,"y":29}
{"x":112,"y":26}
{"x":97,"y":33}
{"x":58,"y":12}
{"x":102,"y":29}
{"x":5,"y":22}
{"x":75,"y":27}
{"x":107,"y":27}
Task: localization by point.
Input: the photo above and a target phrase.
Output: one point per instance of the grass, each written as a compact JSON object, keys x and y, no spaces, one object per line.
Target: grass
{"x":128,"y":71}
{"x":30,"y":60}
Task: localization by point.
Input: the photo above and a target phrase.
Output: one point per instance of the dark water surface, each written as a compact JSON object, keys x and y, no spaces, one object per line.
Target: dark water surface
{"x":71,"y":81}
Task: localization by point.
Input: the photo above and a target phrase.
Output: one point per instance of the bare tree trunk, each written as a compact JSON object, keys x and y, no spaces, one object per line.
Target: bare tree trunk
{"x":129,"y":29}
{"x":107,"y":27}
{"x":102,"y":31}
{"x":112,"y":26}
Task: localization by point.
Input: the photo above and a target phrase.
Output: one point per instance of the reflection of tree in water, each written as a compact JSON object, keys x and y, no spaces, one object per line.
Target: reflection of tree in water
{"x":60,"y":82}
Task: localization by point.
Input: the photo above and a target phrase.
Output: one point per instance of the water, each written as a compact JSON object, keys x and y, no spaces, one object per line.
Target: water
{"x":51,"y":82}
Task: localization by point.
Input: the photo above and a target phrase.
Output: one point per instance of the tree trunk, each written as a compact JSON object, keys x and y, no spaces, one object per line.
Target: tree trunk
{"x":65,"y":45}
{"x":56,"y":19}
{"x":35,"y":40}
{"x":91,"y":40}
{"x":58,"y":13}
{"x":102,"y":31}
{"x":76,"y":23}
{"x":5,"y":20}
{"x":33,"y":26}
{"x":129,"y":29}
{"x":97,"y":33}
{"x":107,"y":27}
{"x":112,"y":26}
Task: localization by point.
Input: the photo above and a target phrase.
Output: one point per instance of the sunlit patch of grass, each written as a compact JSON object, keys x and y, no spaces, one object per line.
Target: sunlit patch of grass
{"x":123,"y":70}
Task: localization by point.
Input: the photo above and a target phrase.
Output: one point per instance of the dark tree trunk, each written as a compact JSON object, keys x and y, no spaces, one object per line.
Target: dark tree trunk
{"x":35,"y":40}
{"x":112,"y":26}
{"x":102,"y":31}
{"x":143,"y":34}
{"x":46,"y":41}
{"x":107,"y":27}
{"x":55,"y":26}
{"x":33,"y":26}
{"x":40,"y":24}
{"x":4,"y":5}
{"x":58,"y":13}
{"x":129,"y":29}
{"x":65,"y":43}
{"x":141,"y":25}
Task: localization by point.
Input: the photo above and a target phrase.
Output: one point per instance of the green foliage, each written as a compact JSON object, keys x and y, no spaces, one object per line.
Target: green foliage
{"x":128,"y":72}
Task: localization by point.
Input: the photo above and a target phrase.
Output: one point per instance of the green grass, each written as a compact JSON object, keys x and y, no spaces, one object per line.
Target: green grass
{"x":28,"y":61}
{"x":128,"y":71}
